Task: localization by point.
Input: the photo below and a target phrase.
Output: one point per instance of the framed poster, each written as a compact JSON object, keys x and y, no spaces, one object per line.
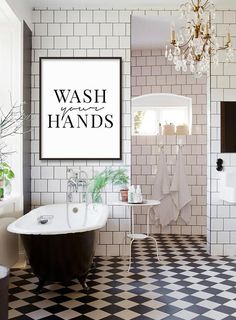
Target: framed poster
{"x":80,"y":108}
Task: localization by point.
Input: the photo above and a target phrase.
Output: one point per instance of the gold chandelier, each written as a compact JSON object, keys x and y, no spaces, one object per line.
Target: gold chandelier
{"x":196,"y":44}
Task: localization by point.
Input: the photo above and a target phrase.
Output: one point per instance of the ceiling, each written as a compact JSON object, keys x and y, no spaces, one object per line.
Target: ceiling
{"x":226,"y":4}
{"x":149,"y":32}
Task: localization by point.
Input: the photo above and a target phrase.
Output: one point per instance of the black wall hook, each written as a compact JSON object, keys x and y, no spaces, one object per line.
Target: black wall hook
{"x":219,"y":164}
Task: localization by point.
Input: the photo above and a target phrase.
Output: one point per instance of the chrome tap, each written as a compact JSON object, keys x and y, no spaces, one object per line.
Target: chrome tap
{"x":74,"y":183}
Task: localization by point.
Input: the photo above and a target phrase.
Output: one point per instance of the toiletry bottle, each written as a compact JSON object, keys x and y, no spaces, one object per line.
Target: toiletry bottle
{"x":131,"y":193}
{"x":139,"y":195}
{"x":135,"y":199}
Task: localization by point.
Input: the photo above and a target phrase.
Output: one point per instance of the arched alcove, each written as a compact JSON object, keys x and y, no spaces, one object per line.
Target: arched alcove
{"x":160,"y":108}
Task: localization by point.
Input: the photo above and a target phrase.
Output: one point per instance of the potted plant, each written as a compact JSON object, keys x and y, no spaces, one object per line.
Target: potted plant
{"x":120,"y":178}
{"x":100,"y":180}
{"x":6,"y":175}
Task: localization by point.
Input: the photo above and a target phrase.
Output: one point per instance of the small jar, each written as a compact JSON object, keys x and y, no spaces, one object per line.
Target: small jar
{"x":182,"y":130}
{"x":168,"y":129}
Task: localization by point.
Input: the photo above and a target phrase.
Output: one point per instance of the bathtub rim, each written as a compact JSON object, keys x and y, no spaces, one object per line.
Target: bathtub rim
{"x":13,"y":228}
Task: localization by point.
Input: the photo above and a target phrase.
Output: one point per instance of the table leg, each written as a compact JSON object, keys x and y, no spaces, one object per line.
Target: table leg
{"x":148,"y":221}
{"x":122,"y":256}
{"x":131,"y":232}
{"x":148,"y":231}
{"x":132,"y":220}
{"x":158,"y":258}
{"x":130,"y":253}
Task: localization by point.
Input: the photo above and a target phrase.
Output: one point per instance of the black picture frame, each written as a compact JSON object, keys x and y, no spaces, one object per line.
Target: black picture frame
{"x":41,"y":108}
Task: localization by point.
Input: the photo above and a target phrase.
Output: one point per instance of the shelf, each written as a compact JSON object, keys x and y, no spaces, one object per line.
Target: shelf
{"x":144,"y":203}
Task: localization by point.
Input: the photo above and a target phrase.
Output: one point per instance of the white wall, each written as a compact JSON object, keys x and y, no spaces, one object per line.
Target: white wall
{"x":5,"y":63}
{"x":107,"y":33}
{"x":11,"y":83}
{"x":221,"y":215}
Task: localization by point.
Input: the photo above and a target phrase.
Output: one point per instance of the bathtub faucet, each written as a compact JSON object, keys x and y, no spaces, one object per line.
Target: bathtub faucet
{"x":74,"y":183}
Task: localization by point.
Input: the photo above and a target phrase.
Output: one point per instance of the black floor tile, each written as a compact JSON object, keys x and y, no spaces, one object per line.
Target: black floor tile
{"x":149,"y":288}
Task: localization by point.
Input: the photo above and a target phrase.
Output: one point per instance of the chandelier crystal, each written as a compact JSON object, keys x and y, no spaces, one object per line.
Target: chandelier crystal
{"x":195,"y":46}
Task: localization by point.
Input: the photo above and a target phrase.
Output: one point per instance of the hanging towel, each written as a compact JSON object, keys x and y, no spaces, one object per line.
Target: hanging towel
{"x":161,"y":191}
{"x":180,"y":190}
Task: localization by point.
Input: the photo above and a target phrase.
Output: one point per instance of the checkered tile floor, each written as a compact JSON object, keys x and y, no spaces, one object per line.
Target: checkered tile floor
{"x":187,"y":284}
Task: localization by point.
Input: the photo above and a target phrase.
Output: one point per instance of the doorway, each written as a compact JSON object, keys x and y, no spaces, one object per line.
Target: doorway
{"x":154,"y":76}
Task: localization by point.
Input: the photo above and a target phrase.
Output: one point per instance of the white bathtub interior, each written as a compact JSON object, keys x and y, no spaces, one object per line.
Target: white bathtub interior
{"x":61,"y":223}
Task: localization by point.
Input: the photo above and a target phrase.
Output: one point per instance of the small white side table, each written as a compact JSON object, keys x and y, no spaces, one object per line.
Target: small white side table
{"x":138,"y":236}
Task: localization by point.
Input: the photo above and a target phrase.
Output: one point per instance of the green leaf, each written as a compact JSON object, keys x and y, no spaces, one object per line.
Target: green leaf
{"x":120,"y":177}
{"x":5,"y":171}
{"x":100,"y":180}
{"x":10,"y":175}
{"x":6,"y":165}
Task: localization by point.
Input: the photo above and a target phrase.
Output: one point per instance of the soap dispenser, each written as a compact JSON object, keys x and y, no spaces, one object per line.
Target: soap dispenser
{"x":139,"y":197}
{"x":131,"y":194}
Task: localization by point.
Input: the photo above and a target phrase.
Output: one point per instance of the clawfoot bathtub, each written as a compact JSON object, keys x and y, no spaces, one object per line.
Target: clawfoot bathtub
{"x":59,"y":240}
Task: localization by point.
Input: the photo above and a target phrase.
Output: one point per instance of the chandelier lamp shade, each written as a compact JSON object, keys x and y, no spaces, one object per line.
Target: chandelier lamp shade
{"x":195,"y":45}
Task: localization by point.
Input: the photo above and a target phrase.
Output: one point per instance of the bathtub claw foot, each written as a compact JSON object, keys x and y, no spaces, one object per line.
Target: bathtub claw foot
{"x":82,"y":281}
{"x":86,"y":289}
{"x":39,"y":288}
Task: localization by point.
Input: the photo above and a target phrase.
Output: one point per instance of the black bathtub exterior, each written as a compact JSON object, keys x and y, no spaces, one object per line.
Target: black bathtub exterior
{"x":60,"y":258}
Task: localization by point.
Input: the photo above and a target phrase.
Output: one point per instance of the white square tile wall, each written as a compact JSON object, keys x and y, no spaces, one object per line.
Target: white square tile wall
{"x":221,"y":217}
{"x":107,"y":33}
{"x":81,"y":33}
